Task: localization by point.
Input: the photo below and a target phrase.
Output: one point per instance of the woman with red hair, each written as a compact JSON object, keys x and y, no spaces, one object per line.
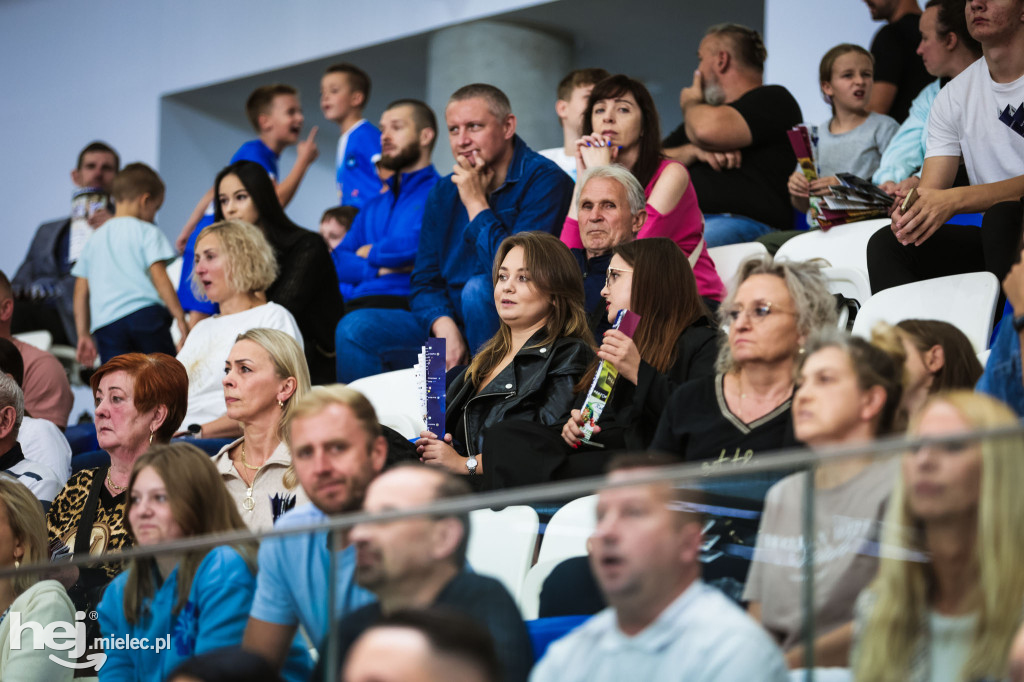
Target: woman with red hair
{"x":140,"y":400}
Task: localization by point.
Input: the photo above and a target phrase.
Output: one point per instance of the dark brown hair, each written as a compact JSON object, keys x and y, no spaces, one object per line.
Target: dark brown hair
{"x":137,"y":179}
{"x":358,"y":81}
{"x":961,"y":368}
{"x":555,"y":274}
{"x":649,"y":154}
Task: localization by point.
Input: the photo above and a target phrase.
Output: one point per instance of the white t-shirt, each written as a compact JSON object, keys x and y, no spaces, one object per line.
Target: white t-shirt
{"x":564,"y":161}
{"x":968,"y":118}
{"x":207,"y":347}
{"x":41,"y":441}
{"x":37,"y":477}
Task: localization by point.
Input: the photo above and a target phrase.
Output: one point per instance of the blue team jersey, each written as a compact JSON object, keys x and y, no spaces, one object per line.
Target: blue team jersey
{"x":356,"y":175}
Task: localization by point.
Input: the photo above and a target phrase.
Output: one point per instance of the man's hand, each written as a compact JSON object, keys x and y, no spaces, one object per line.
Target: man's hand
{"x":44,"y":288}
{"x":456,"y":351}
{"x":306,"y":150}
{"x":364,"y":250}
{"x":692,"y":94}
{"x":472,"y":178}
{"x":930,"y":212}
{"x":1013,"y":287}
{"x":86,"y":351}
{"x":99,"y":216}
{"x":720,"y":161}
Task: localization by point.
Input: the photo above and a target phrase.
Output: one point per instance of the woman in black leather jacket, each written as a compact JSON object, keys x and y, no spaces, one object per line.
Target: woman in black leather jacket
{"x":527,"y":372}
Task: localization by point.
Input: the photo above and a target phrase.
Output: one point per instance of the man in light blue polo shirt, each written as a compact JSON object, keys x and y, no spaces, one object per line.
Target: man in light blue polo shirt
{"x":337,"y":449}
{"x":662,"y":622}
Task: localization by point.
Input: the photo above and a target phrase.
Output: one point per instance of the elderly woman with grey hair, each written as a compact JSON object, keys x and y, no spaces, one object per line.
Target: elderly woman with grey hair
{"x":744,"y":409}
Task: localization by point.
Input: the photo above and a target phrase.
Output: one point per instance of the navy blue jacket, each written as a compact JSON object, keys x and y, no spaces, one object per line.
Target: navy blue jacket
{"x":535,"y":196}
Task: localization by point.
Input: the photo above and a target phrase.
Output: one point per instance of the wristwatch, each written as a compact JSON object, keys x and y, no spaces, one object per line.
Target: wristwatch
{"x":195,"y":430}
{"x":1018,"y":323}
{"x":472,"y":464}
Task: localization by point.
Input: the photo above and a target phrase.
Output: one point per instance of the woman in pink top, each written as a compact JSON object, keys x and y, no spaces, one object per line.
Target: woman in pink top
{"x":621,"y":126}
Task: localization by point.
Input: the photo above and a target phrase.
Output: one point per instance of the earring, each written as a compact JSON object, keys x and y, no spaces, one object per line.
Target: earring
{"x":151,"y":437}
{"x":17,"y":564}
{"x":280,"y":403}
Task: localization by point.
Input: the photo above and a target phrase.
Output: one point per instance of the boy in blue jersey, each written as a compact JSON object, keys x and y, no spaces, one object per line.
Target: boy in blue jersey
{"x":276,"y":115}
{"x":344,"y":92}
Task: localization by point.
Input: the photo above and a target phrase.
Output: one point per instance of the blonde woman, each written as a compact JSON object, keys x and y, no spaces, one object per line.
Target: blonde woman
{"x":234,"y":266}
{"x":23,"y":541}
{"x":949,"y":594}
{"x":264,"y":376}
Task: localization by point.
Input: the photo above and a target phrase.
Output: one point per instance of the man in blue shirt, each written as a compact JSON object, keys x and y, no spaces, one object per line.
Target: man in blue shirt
{"x":499,"y":187}
{"x":337,"y":449}
{"x":375,"y":258}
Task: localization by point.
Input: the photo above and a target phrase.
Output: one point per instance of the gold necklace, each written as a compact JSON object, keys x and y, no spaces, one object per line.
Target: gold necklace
{"x":110,"y":482}
{"x":249,"y":503}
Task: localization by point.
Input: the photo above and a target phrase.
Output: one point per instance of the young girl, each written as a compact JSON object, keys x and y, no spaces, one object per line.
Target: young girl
{"x":852,"y":141}
{"x":199,"y":599}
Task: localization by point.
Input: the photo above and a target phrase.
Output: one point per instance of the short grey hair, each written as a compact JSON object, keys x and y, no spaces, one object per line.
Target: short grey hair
{"x":11,"y":396}
{"x":634,"y":190}
{"x":497,"y":101}
{"x":807,"y":286}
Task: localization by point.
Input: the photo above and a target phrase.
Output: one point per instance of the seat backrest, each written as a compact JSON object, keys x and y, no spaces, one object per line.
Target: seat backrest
{"x":966,"y":301}
{"x":529,"y":598}
{"x":567,"y":531}
{"x":728,"y":258}
{"x":844,"y":246}
{"x":393,"y":396}
{"x":40,"y":338}
{"x":502,"y":543}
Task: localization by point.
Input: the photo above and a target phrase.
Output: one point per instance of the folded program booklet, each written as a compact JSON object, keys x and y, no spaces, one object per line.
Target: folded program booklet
{"x":604,"y":380}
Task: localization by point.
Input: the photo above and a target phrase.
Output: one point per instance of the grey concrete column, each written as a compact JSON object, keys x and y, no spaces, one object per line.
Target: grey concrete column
{"x":524,"y":62}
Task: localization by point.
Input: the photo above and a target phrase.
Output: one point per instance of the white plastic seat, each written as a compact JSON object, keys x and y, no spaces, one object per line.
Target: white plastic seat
{"x":40,"y":338}
{"x":728,"y":258}
{"x":529,"y":599}
{"x":966,"y":301}
{"x":844,"y":246}
{"x":568,"y":530}
{"x":393,"y":396}
{"x":502,"y":543}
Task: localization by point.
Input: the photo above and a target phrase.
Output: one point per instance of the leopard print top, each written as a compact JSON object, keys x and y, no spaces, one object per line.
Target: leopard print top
{"x":109,"y":530}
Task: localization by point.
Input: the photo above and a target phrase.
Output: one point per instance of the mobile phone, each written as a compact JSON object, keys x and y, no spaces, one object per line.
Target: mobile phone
{"x":909,"y":200}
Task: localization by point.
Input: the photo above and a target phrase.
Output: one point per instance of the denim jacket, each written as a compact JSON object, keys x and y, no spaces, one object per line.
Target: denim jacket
{"x":1002,"y":377}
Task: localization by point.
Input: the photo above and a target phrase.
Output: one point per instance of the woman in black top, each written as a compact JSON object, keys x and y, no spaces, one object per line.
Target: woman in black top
{"x":307,"y":284}
{"x":673,"y":343}
{"x":527,"y":372}
{"x":745,"y":408}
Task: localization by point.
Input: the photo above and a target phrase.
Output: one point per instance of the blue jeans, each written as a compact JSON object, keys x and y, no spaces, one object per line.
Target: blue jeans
{"x":725,"y":228}
{"x":144,"y":331}
{"x":375,"y":340}
{"x":478,"y":311}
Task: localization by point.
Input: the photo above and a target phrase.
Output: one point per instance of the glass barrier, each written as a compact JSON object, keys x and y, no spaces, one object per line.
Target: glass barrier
{"x":794,"y":538}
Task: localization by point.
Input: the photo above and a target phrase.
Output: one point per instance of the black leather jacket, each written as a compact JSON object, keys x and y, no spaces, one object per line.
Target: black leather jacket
{"x":536,"y":386}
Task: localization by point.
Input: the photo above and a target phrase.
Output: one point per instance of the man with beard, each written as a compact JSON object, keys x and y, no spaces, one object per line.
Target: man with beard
{"x":337,"y":449}
{"x":733,"y":138}
{"x":377,"y":254}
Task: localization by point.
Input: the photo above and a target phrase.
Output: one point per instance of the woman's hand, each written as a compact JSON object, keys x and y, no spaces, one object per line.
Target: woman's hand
{"x":619,"y":349}
{"x":572,"y":432}
{"x":440,"y":453}
{"x":595,"y":150}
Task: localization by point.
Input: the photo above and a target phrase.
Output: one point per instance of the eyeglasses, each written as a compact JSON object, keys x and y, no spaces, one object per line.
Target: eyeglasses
{"x":757,"y":312}
{"x":612,"y":275}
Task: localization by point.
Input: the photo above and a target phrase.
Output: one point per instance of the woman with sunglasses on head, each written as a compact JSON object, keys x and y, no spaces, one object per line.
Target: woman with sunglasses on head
{"x":744,"y":409}
{"x":621,"y":126}
{"x":673,"y":343}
